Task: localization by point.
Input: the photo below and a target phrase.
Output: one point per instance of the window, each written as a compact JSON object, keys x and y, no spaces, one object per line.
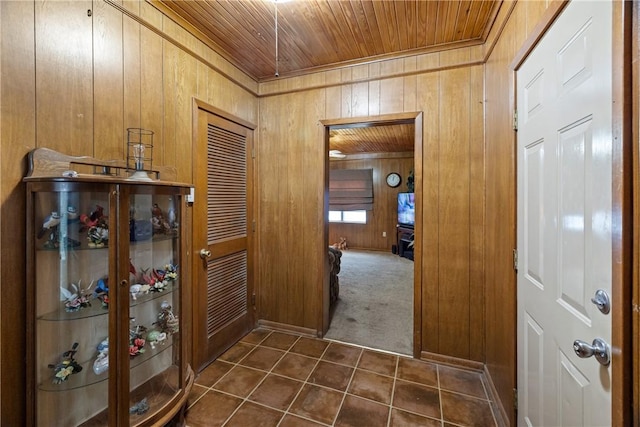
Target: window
{"x":351,"y":217}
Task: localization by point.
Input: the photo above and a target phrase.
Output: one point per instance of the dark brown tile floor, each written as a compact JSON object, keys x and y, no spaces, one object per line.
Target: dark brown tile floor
{"x":276,"y":379}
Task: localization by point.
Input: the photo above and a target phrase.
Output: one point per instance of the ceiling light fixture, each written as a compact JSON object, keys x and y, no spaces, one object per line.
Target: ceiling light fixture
{"x":336,"y":154}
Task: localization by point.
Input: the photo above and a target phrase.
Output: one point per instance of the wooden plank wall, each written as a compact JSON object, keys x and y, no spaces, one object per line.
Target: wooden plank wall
{"x":469,"y":189}
{"x":74,"y":83}
{"x":500,"y":231}
{"x":384,"y":216}
{"x":75,"y":87}
{"x":291,"y":160}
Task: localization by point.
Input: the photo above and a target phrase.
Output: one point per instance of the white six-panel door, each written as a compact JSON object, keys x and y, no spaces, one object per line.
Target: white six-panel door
{"x":564,"y":101}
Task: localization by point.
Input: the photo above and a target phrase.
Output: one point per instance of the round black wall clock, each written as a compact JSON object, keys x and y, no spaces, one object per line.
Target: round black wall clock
{"x":393,"y":180}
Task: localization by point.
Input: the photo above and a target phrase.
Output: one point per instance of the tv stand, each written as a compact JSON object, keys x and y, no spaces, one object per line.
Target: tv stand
{"x":403,"y":238}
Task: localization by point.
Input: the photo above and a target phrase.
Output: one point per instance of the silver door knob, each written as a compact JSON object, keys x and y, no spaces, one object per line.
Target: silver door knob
{"x":598,"y":348}
{"x":205,"y":253}
{"x":602,"y":301}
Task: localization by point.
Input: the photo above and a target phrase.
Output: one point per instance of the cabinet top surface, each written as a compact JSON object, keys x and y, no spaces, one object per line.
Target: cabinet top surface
{"x":47,"y":165}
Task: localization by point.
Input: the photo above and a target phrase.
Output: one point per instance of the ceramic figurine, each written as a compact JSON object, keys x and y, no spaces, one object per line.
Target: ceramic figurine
{"x":50,"y":222}
{"x":171,"y":217}
{"x":66,"y":366}
{"x":134,"y":290}
{"x":72,"y":213}
{"x":170,"y":272}
{"x":77,"y":300}
{"x":156,"y":338}
{"x":140,"y":407}
{"x":101,"y":292}
{"x":167,"y":321}
{"x":159,"y":286}
{"x":146,"y":277}
{"x":92,"y":219}
{"x":136,"y":340}
{"x":101,"y":364}
{"x":98,"y":236}
{"x":159,"y":223}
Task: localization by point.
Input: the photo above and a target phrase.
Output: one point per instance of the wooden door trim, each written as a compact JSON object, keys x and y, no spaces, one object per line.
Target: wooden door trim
{"x":323,"y":288}
{"x":625,"y":366}
{"x":199,"y":104}
{"x":548,"y":18}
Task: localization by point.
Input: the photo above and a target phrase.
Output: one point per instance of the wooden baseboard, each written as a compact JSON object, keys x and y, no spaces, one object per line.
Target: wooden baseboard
{"x":498,"y":410}
{"x":283,"y":327}
{"x":452,"y":361}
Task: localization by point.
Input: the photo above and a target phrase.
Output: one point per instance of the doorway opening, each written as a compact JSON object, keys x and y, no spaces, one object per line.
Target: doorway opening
{"x":378,"y":301}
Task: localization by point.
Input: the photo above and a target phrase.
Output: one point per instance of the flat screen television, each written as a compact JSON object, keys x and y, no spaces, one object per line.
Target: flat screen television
{"x":406,"y":209}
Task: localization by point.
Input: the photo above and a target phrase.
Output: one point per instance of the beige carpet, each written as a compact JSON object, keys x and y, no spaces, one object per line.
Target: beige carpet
{"x":375,"y":306}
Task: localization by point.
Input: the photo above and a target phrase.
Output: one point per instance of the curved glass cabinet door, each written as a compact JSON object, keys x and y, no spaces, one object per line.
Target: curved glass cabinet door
{"x":105,"y":296}
{"x":154,"y":301}
{"x":71,"y":300}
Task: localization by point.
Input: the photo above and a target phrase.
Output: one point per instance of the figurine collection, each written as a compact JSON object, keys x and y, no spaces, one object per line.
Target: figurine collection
{"x":156,"y":280}
{"x":96,"y":226}
{"x":166,"y":325}
{"x":56,"y":230}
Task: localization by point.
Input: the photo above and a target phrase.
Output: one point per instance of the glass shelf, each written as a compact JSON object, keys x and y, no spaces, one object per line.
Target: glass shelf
{"x":150,"y":353}
{"x":140,"y":299}
{"x":88,"y":377}
{"x":84,"y":246}
{"x":96,"y":308}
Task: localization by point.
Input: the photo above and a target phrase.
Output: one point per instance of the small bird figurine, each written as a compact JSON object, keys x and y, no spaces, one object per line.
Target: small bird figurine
{"x":72,"y":213}
{"x":97,"y":214}
{"x":156,"y":211}
{"x":171,"y":217}
{"x":49,"y":222}
{"x":92,"y":219}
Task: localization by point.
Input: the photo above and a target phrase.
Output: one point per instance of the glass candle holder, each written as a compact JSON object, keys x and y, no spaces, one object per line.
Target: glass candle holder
{"x":139,"y":153}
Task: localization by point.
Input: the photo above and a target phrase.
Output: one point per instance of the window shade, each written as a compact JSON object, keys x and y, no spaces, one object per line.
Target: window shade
{"x":351,"y":189}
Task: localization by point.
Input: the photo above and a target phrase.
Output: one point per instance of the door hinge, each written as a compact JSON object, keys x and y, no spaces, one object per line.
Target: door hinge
{"x":253,"y":299}
{"x":515,"y":399}
{"x":253,"y":152}
{"x":515,"y":259}
{"x":253,"y":225}
{"x":515,"y":120}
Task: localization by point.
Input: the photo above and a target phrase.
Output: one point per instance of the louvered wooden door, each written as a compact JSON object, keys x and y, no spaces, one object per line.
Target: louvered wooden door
{"x":222,"y":236}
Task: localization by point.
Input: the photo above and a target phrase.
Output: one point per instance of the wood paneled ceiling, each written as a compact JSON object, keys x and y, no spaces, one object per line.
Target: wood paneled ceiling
{"x":387,"y":138}
{"x":320,"y":34}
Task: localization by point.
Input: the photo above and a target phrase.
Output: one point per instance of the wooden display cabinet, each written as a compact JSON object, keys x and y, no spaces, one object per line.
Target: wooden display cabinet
{"x":106,"y":322}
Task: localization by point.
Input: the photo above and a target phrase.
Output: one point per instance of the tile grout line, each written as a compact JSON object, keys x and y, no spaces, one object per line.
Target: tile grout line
{"x":235,"y":364}
{"x":393,"y":391}
{"x":221,"y":391}
{"x":207,"y":389}
{"x":260,"y":344}
{"x":483,"y":380}
{"x":246,"y":398}
{"x":344,"y":394}
{"x":305,"y":382}
{"x":440,"y":395}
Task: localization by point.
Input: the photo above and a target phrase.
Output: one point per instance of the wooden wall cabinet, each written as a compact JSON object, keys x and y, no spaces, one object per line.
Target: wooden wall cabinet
{"x":106,"y":320}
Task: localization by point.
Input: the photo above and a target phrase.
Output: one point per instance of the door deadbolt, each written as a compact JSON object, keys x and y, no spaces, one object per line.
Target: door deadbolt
{"x":598,"y":348}
{"x":602,"y":301}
